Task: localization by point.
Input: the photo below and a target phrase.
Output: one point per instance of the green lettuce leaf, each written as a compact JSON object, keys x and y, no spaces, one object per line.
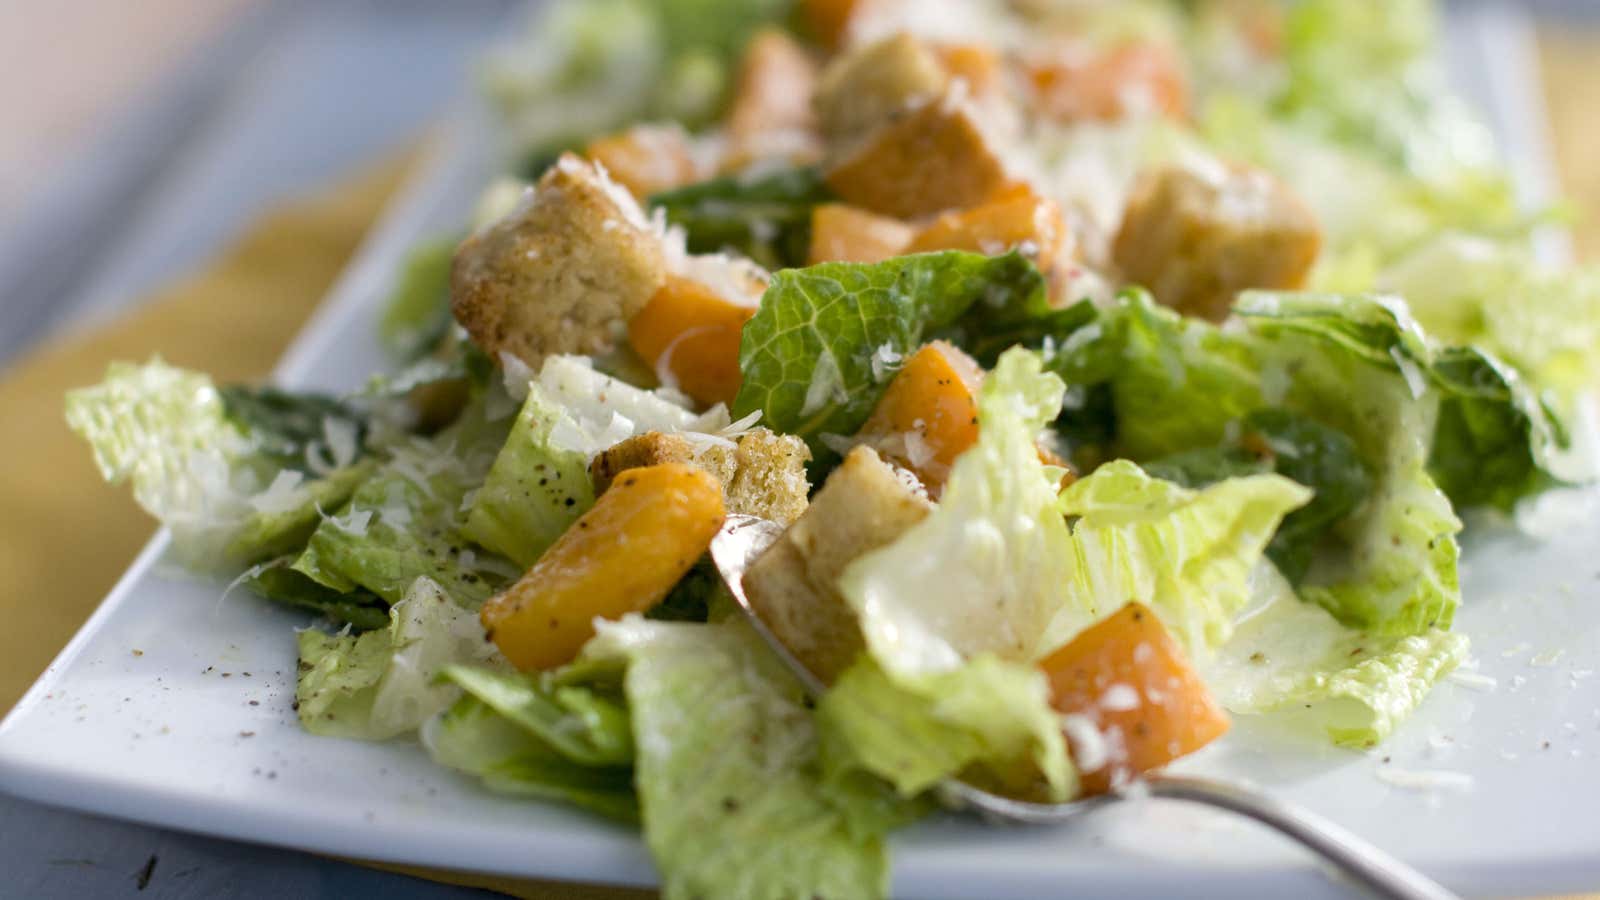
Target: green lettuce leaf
{"x":228,"y":480}
{"x":767,"y":218}
{"x":382,"y":683}
{"x":989,"y":722}
{"x":584,"y":67}
{"x":728,"y":770}
{"x":275,"y":581}
{"x":987,"y":571}
{"x":1297,"y":447}
{"x":1297,"y":662}
{"x":405,"y":521}
{"x":956,"y":610}
{"x":474,"y":737}
{"x":818,"y":354}
{"x":1187,"y":554}
{"x":417,"y":315}
{"x":534,"y":490}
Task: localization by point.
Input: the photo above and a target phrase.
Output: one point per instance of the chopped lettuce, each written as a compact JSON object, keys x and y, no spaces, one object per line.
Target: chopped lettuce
{"x":988,"y":570}
{"x":276,"y":581}
{"x":229,"y":481}
{"x":537,"y":736}
{"x":955,"y":611}
{"x":405,"y":521}
{"x":589,"y":66}
{"x":534,"y":490}
{"x":1296,"y":661}
{"x":1297,"y":447}
{"x":766,"y":218}
{"x":1185,"y":553}
{"x":731,"y":785}
{"x":989,"y":722}
{"x":382,"y":683}
{"x":808,"y":356}
{"x":417,"y":315}
{"x":1468,"y":290}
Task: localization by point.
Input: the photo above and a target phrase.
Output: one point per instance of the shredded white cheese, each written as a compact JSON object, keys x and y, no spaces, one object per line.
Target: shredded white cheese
{"x":1424,"y":780}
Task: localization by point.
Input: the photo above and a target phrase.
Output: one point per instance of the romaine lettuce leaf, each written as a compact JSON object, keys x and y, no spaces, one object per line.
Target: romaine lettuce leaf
{"x":382,"y":683}
{"x":417,"y":315}
{"x":767,"y":219}
{"x":534,"y":490}
{"x":1294,"y":660}
{"x":988,"y":722}
{"x":362,"y":610}
{"x":955,"y":611}
{"x":1297,"y":447}
{"x":215,"y":476}
{"x":988,"y":570}
{"x":405,"y":521}
{"x":730,"y":782}
{"x":1185,"y":553}
{"x":808,"y":356}
{"x":474,"y":737}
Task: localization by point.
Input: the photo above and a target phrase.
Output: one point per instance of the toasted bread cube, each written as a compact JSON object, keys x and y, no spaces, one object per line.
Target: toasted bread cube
{"x":1197,"y":240}
{"x":931,"y":158}
{"x":563,"y":273}
{"x":794,"y":585}
{"x":843,"y":233}
{"x":865,"y":87}
{"x":763,"y":474}
{"x":647,"y":159}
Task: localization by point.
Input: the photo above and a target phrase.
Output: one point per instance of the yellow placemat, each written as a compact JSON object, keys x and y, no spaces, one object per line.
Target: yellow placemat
{"x":65,"y":536}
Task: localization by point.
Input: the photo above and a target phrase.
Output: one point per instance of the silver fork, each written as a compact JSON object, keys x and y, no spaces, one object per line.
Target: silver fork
{"x":743,"y":538}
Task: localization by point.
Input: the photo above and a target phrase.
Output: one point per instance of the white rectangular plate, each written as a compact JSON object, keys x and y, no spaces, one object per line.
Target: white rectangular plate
{"x":172,"y":707}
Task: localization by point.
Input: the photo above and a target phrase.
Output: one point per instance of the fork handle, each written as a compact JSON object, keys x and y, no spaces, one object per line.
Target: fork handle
{"x":1374,"y":869}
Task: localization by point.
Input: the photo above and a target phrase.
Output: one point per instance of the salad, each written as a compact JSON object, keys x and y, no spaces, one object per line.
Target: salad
{"x":1116,"y":370}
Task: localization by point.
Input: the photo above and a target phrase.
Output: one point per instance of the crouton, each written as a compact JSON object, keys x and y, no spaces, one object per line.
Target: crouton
{"x":648,"y":159}
{"x":763,"y":474}
{"x":1197,"y":239}
{"x":793,"y":586}
{"x":930,"y":158}
{"x":865,"y":87}
{"x":563,"y":273}
{"x":843,"y":233}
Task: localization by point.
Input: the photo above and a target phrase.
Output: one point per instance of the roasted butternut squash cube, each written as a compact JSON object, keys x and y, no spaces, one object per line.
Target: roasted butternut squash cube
{"x":689,"y":333}
{"x":1073,"y":82}
{"x":621,"y":556}
{"x":1018,"y":219}
{"x":844,"y":233}
{"x":929,"y":413}
{"x":647,"y":159}
{"x":1130,"y":699}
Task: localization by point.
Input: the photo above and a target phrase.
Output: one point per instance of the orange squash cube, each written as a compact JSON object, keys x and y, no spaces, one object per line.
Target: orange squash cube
{"x":646,"y":159}
{"x":844,"y":233}
{"x":689,"y":334}
{"x":1076,"y":83}
{"x":929,"y":414}
{"x":1131,"y":699}
{"x":1017,"y":218}
{"x":621,"y":556}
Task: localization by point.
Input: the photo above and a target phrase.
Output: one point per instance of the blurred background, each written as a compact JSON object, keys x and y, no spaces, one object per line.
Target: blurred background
{"x":139,"y":139}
